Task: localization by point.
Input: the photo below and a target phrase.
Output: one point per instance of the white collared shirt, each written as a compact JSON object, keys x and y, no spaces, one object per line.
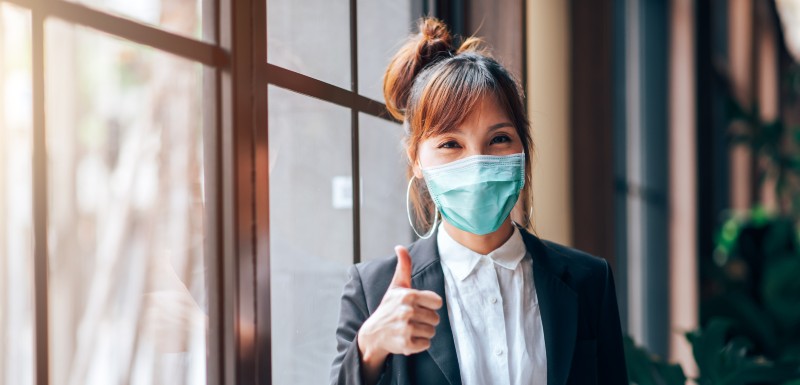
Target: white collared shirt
{"x":494,"y":313}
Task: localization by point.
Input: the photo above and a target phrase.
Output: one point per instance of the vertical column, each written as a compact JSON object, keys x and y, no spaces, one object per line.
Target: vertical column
{"x":683,"y":279}
{"x":354,"y":136}
{"x":548,"y":89}
{"x":590,"y":127}
{"x":740,"y":33}
{"x":633,"y":141}
{"x":244,"y":218}
{"x":262,"y":305}
{"x":646,"y":168}
{"x":41,"y":336}
{"x":767,"y":89}
{"x":213,"y":252}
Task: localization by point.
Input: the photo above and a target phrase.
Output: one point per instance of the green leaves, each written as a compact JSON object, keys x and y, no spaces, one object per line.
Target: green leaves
{"x":781,"y":292}
{"x":646,"y":369}
{"x":721,"y":359}
{"x":724,"y":361}
{"x":776,"y":144}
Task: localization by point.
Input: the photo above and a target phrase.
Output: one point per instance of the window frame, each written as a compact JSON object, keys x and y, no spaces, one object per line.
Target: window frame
{"x":236,"y":75}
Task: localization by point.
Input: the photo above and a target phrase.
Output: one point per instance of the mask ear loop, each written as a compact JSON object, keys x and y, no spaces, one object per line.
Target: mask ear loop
{"x":530,"y":215}
{"x":408,"y":211}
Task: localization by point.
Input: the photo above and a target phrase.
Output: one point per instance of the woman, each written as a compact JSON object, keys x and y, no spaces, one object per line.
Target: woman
{"x":478,"y":299}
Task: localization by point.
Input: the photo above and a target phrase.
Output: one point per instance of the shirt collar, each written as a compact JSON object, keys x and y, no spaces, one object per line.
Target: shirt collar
{"x":462,"y":261}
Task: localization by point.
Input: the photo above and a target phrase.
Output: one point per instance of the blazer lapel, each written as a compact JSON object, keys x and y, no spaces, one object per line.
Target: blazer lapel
{"x":426,"y":274}
{"x":558,"y":304}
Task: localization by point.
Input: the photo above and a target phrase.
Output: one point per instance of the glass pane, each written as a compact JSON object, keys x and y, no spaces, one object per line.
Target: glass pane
{"x":311,"y":232}
{"x":16,"y":211}
{"x":127,"y":274}
{"x":311,"y":37}
{"x":382,"y":27}
{"x":384,"y":222}
{"x":183,"y":17}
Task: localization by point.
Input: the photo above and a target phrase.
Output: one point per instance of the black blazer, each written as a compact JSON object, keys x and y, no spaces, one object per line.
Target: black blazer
{"x":577,"y":302}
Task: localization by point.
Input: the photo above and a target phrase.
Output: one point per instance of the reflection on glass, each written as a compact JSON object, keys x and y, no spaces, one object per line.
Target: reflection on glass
{"x":125,"y":224}
{"x":311,"y":232}
{"x":382,"y":27}
{"x":311,"y":37}
{"x":16,"y":226}
{"x":382,"y":158}
{"x":183,"y":17}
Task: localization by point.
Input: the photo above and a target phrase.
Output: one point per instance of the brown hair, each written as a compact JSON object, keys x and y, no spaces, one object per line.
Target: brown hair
{"x":429,"y":75}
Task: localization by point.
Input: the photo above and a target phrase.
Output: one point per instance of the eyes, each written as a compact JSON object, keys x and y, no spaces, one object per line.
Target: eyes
{"x":449,"y":144}
{"x":502,"y":138}
{"x":497,"y":139}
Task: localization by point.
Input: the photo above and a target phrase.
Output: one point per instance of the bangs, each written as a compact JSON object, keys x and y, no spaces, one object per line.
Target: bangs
{"x":447,"y":99}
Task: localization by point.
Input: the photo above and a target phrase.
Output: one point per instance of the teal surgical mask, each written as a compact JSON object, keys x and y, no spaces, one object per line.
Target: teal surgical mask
{"x":476,"y":194}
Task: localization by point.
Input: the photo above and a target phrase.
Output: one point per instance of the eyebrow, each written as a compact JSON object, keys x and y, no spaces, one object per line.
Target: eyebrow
{"x":493,"y":127}
{"x":500,"y":125}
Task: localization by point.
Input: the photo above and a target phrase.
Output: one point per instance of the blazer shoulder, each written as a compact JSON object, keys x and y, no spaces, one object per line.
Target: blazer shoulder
{"x":382,"y":267}
{"x":376,"y":269}
{"x":582,"y":266}
{"x":376,"y":274}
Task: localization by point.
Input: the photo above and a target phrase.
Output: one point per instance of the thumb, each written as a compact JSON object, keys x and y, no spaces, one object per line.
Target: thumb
{"x":402,"y":273}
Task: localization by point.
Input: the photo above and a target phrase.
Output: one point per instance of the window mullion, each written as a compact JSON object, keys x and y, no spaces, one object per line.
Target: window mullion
{"x":195,"y":50}
{"x":356,"y":179}
{"x":40,"y":204}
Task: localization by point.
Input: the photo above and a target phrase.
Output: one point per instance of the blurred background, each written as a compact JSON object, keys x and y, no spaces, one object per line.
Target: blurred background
{"x":177,"y":177}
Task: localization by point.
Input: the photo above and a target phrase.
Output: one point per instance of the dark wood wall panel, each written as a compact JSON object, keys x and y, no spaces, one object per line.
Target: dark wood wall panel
{"x":502,"y":24}
{"x":592,"y":127}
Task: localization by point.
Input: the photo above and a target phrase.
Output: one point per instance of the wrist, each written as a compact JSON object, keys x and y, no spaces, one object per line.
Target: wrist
{"x":370,"y":353}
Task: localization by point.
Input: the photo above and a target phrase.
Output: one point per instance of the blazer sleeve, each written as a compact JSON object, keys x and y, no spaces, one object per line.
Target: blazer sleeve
{"x":346,"y":368}
{"x":611,"y":356}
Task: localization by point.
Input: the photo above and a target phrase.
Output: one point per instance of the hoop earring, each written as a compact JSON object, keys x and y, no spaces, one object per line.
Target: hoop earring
{"x":408,"y":211}
{"x":530,"y":216}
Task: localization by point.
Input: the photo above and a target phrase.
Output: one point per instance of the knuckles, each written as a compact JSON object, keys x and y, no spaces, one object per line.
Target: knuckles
{"x":409,"y":297}
{"x":406,"y":313}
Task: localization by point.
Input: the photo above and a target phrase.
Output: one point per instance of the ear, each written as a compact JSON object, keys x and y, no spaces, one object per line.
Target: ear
{"x":417,"y":171}
{"x":415,"y":168}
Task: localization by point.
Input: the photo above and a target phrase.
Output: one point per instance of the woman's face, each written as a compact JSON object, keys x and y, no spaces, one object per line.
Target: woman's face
{"x":487,"y":130}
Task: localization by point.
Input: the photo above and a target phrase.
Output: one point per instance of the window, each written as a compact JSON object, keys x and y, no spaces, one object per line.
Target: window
{"x":126,"y":271}
{"x":16,"y":212}
{"x":318,"y":145}
{"x":103,"y":275}
{"x":185,"y":184}
{"x":128,"y":152}
{"x":177,"y":16}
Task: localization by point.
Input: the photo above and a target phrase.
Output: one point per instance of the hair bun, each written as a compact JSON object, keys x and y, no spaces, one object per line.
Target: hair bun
{"x":433,"y":42}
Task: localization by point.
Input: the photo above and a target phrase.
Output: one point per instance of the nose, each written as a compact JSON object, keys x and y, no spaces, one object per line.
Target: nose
{"x":479,"y":149}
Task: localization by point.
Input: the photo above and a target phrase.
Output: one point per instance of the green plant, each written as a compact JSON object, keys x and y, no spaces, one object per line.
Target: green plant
{"x":776,"y":145}
{"x":721,"y":360}
{"x":750,"y":291}
{"x":647,"y":369}
{"x":725,"y":360}
{"x":755,"y":280}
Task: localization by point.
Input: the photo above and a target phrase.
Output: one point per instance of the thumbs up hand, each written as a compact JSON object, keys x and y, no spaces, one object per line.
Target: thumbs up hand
{"x":404,"y":322}
{"x":402,"y":273}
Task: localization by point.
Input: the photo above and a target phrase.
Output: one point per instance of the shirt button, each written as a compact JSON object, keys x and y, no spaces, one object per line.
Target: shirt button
{"x":498,"y":352}
{"x":493,"y":300}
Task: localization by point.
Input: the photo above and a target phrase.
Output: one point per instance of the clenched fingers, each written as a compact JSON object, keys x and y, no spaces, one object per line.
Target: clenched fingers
{"x":423,"y":298}
{"x":422,"y":330}
{"x":417,"y":344}
{"x":424,"y":315}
